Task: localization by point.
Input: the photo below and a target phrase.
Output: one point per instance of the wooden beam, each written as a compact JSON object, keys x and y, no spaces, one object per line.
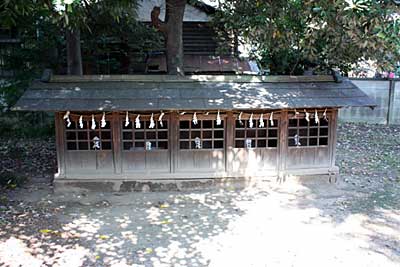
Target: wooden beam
{"x":283,"y":143}
{"x":173,"y":140}
{"x":333,"y":136}
{"x":193,"y":78}
{"x":116,"y":141}
{"x":60,"y":145}
{"x":229,"y":141}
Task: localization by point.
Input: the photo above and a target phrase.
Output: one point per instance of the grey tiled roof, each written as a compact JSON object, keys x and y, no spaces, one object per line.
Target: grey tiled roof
{"x":180,"y":95}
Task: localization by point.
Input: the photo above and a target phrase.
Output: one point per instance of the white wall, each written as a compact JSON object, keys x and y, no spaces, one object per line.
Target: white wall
{"x":191,"y":13}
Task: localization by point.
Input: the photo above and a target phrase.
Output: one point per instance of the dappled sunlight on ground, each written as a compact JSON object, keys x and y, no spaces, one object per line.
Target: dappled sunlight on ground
{"x":291,"y":224}
{"x":304,"y":222}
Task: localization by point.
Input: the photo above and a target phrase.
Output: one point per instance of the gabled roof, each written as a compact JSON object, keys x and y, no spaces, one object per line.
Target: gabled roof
{"x":163,"y":92}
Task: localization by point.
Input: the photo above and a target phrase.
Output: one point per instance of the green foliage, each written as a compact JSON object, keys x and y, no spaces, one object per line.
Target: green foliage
{"x":11,"y":180}
{"x":40,"y":26}
{"x":36,"y":48}
{"x":290,"y":36}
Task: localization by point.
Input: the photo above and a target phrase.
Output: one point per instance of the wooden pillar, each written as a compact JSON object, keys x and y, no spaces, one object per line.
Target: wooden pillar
{"x":333,"y":136}
{"x":173,"y":140}
{"x":283,"y":143}
{"x":229,"y":141}
{"x":60,"y":145}
{"x":116,"y":141}
{"x":390,"y":111}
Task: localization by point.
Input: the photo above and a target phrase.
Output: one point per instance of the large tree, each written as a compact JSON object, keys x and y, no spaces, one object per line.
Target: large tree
{"x":290,"y":36}
{"x":171,"y":28}
{"x":75,"y":15}
{"x":72,"y":16}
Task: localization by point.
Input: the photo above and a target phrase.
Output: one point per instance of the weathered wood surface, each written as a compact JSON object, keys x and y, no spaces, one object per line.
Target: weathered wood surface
{"x":89,"y":161}
{"x":193,"y":78}
{"x":146,"y":161}
{"x":254,"y":160}
{"x":333,"y":125}
{"x":152,"y":96}
{"x":60,"y":144}
{"x":200,"y":160}
{"x":307,"y":157}
{"x":176,"y":163}
{"x":283,"y":143}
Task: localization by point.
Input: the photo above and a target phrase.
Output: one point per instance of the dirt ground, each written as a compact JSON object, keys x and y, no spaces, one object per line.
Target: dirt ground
{"x":307,"y":222}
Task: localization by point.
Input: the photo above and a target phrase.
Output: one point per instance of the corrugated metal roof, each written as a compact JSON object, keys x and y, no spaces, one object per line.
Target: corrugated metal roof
{"x":111,"y":95}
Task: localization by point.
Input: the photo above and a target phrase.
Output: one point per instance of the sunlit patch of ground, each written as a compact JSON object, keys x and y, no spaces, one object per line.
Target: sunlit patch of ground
{"x":306,"y":222}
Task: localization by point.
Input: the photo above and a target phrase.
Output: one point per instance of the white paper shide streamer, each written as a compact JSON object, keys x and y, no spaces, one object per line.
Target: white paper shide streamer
{"x":316,"y":119}
{"x":307,"y":115}
{"x":126,"y":119}
{"x":66,"y":117}
{"x":219,"y":121}
{"x":160,"y":119}
{"x":240,"y":118}
{"x":251,"y":124}
{"x":271,"y":119}
{"x":325,"y":116}
{"x":81,"y":122}
{"x":296,"y":113}
{"x":137,"y":122}
{"x":152,"y":123}
{"x":194,"y":119}
{"x":103,"y":120}
{"x":93,"y":123}
{"x":261,"y":121}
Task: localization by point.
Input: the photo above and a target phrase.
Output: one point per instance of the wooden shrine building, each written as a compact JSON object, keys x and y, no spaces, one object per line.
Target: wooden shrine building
{"x":129,"y":128}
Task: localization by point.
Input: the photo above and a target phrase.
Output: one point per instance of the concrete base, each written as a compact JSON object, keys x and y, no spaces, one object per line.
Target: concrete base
{"x":113,"y":185}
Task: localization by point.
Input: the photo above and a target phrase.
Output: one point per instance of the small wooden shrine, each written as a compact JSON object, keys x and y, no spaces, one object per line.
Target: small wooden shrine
{"x":125,"y":128}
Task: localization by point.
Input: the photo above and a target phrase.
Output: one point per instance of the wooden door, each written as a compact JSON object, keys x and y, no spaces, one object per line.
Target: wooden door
{"x":200,"y":147}
{"x":146,"y":149}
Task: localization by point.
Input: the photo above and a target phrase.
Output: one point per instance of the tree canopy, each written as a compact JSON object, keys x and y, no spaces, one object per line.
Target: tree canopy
{"x":287,"y":37}
{"x":291,"y":36}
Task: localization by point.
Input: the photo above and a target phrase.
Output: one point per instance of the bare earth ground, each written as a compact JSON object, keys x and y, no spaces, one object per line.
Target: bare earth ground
{"x":355,"y":222}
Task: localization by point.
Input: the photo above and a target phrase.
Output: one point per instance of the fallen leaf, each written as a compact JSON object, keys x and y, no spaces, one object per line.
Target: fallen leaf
{"x":104,"y":237}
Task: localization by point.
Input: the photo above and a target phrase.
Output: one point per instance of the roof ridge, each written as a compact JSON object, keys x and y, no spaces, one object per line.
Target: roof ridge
{"x":192,"y":78}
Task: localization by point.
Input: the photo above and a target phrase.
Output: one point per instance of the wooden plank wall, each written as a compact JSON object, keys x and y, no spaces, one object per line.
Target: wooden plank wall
{"x":177,"y":163}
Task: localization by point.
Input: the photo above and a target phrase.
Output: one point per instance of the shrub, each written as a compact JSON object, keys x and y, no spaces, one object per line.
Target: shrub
{"x":11,"y":180}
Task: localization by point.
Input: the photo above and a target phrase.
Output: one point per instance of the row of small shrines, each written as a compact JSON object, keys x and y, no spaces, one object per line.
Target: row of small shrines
{"x":159,"y":117}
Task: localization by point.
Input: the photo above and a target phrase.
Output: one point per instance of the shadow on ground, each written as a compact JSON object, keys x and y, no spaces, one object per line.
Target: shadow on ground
{"x":306,"y":222}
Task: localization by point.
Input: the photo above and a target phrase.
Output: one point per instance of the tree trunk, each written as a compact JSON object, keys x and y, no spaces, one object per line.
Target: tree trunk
{"x":172,"y":30}
{"x":175,"y":10}
{"x":74,"y":56}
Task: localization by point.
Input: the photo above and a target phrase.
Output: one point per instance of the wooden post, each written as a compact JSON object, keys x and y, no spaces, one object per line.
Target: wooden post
{"x":283,"y":144}
{"x":390,"y":112}
{"x":60,"y":143}
{"x":333,"y":121}
{"x":173,"y":140}
{"x":116,"y":141}
{"x":229,"y":141}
